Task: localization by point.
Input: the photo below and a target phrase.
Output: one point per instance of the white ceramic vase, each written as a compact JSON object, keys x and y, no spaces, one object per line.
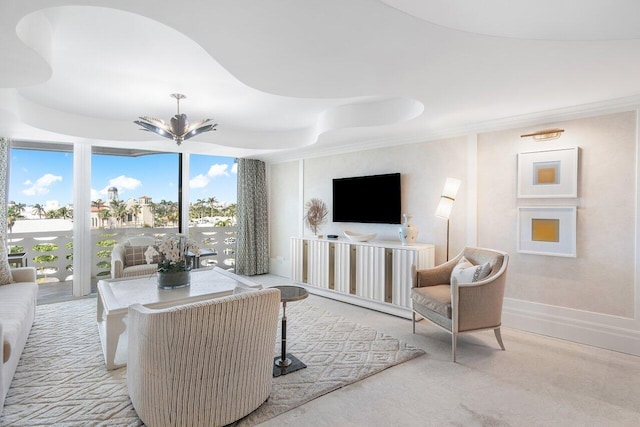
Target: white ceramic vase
{"x":407,"y":231}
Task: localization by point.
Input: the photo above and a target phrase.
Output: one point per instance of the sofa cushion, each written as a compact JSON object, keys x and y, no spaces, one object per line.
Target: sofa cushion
{"x":18,"y":299}
{"x":436,"y":298}
{"x":466,"y":272}
{"x":5,"y":269}
{"x":134,"y":255}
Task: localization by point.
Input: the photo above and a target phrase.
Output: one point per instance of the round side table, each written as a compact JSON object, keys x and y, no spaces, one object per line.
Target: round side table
{"x":287,"y":363}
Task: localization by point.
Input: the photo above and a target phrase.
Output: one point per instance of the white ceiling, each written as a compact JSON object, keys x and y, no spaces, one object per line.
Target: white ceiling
{"x":283,"y":77}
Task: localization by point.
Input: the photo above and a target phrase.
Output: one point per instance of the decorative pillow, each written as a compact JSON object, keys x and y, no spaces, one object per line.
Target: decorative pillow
{"x":465,"y":272}
{"x":134,"y":255}
{"x":5,"y":270}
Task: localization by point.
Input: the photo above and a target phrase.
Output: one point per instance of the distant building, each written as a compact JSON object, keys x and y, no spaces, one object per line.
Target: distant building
{"x":136,"y":217}
{"x":112,"y":194}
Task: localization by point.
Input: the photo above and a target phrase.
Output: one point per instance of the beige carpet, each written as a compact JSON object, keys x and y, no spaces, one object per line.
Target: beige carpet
{"x":61,"y":379}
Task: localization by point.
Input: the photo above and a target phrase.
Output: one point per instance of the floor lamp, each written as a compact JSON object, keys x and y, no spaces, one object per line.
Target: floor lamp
{"x":451,"y":187}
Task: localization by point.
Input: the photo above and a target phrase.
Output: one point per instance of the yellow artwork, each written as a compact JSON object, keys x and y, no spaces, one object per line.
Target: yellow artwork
{"x":546,"y":176}
{"x":545,"y":230}
{"x":545,"y":173}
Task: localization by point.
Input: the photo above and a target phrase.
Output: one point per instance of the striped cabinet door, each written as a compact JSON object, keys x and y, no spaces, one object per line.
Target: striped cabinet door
{"x":370,"y":264}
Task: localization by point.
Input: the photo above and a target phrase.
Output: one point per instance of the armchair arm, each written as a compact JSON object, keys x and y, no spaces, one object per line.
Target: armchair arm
{"x":24,"y":274}
{"x":479,"y":305}
{"x":117,"y":261}
{"x":433,"y":276}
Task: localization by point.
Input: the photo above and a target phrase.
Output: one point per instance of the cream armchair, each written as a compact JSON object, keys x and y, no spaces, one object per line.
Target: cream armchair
{"x":462,"y":306}
{"x":207,"y":363}
{"x":127,"y":258}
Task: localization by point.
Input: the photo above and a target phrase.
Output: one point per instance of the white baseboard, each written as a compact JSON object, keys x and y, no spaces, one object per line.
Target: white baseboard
{"x":585,"y":327}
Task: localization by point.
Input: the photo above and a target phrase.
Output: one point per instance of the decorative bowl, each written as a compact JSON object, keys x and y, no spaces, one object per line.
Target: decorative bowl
{"x":359,"y":237}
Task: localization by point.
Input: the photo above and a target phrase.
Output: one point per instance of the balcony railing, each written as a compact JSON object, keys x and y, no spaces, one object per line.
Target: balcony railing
{"x":52,"y":252}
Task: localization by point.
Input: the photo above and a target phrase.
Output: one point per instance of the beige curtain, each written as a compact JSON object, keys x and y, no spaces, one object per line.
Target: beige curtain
{"x":252,"y":251}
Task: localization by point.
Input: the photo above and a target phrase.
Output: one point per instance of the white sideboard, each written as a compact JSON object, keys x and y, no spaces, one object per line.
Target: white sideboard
{"x":374,"y":274}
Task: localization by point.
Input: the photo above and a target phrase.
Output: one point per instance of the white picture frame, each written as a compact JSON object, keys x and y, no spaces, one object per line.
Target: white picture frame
{"x":547,"y":230}
{"x":548,"y":174}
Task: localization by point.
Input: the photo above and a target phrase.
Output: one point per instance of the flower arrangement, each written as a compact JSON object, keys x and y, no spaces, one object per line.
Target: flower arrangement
{"x":174,"y":249}
{"x":316,"y":214}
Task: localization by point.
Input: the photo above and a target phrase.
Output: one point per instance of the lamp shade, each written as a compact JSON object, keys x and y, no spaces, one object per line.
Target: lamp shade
{"x":451,"y":187}
{"x":444,"y":208}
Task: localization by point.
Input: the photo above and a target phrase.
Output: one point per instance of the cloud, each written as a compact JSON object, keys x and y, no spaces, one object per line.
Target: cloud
{"x":41,"y":186}
{"x":218,"y":170}
{"x":199,"y":181}
{"x":94,"y":194}
{"x":122,"y":183}
{"x":234,"y":168}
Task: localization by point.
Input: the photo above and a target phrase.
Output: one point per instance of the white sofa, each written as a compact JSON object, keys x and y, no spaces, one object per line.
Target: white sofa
{"x":132,"y":264}
{"x":17,"y":311}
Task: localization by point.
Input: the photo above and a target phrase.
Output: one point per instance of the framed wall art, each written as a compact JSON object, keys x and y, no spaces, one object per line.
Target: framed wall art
{"x":548,"y":174}
{"x":547,"y":230}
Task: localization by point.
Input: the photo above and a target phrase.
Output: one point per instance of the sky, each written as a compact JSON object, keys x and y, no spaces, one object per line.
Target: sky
{"x":46,"y":177}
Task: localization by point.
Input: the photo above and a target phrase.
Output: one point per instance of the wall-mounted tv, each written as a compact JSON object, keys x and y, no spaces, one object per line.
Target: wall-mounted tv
{"x":369,"y":199}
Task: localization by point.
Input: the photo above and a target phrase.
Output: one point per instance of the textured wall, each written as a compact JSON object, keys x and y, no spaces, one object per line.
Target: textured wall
{"x":601,"y":278}
{"x":424,"y":168}
{"x":284,"y":218}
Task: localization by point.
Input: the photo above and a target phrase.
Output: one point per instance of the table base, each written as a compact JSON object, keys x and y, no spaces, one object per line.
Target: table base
{"x":295,"y":365}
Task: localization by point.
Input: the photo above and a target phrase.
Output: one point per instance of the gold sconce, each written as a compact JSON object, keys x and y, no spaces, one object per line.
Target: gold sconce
{"x":544,"y":135}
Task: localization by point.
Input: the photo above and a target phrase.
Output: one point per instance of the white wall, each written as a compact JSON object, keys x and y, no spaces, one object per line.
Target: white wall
{"x":591,"y":299}
{"x":284,"y":214}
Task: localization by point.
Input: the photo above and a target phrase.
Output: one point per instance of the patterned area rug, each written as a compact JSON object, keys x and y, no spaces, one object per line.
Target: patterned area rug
{"x":61,"y":379}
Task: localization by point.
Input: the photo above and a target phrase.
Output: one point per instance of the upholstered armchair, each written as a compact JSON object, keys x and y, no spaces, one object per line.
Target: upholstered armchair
{"x":462,"y":295}
{"x":207,"y":363}
{"x":127,"y":258}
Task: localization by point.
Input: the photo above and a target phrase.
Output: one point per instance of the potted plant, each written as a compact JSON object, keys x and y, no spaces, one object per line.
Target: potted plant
{"x":174,"y":265}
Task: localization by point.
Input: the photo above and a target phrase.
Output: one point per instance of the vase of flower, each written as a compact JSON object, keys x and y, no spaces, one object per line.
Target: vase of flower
{"x":175,"y":265}
{"x":407,"y":232}
{"x":173,"y":279}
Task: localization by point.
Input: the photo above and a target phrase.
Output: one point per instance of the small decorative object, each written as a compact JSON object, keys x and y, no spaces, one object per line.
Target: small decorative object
{"x":357,"y":237}
{"x":173,"y":270}
{"x":548,"y":174}
{"x":316,"y":215}
{"x":407,"y":231}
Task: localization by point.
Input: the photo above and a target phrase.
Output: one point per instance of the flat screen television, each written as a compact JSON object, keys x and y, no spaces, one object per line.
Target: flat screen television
{"x":368,"y":199}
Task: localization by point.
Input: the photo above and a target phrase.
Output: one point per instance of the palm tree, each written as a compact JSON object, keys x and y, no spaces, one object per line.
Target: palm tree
{"x":13,"y":214}
{"x":212,"y":204}
{"x":65,"y":213}
{"x":99,"y":203}
{"x":135,"y":210}
{"x":38,"y":209}
{"x":104,"y":215}
{"x":200,"y":203}
{"x":118,"y":210}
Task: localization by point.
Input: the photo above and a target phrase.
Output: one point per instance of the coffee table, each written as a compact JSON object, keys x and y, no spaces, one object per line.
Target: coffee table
{"x":116,"y":295}
{"x":287,"y":363}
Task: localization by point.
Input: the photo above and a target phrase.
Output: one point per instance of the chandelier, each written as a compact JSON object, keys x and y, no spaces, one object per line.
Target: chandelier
{"x":179,"y":128}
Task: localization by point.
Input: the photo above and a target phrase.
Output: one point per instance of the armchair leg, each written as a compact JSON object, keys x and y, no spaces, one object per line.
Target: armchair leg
{"x":454,"y":338}
{"x":499,"y":337}
{"x":413,"y":321}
